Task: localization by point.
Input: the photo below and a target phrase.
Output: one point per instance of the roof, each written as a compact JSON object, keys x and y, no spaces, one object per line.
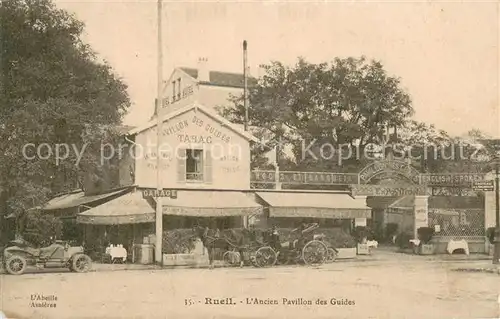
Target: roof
{"x":122,"y":129}
{"x":380,"y":202}
{"x":319,"y":205}
{"x":130,"y":208}
{"x":404,"y":202}
{"x":76,"y":199}
{"x":218,"y":78}
{"x":198,"y":107}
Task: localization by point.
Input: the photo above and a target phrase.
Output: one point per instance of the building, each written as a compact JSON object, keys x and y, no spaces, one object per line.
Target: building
{"x":206,"y":169}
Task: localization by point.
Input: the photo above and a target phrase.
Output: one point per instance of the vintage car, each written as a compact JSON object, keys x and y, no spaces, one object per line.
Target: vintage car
{"x":19,"y":254}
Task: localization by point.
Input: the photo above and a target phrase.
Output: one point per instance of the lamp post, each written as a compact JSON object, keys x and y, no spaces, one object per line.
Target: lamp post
{"x":159,"y":102}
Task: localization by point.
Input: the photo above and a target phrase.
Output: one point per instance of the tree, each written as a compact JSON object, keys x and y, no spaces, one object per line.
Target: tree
{"x":435,"y":151}
{"x":55,"y":96}
{"x":347,"y":103}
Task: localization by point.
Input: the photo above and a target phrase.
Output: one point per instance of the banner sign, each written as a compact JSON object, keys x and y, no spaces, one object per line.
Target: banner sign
{"x":485,"y":186}
{"x":314,"y":178}
{"x":170,"y":193}
{"x":379,"y":190}
{"x":450,"y":179}
{"x":383,"y":167}
{"x":375,"y":171}
{"x":310,"y":178}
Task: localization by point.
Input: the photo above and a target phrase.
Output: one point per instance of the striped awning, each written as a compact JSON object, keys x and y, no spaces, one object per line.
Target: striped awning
{"x":201,"y":203}
{"x":316,"y":205}
{"x":130,"y":208}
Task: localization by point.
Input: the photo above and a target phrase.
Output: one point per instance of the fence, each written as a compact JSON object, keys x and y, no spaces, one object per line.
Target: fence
{"x":457,"y":222}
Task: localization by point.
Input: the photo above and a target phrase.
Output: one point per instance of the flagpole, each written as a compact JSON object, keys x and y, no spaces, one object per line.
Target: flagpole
{"x":245,"y":83}
{"x":159,"y":100}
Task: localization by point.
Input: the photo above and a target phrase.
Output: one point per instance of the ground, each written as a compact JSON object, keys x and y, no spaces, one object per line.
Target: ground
{"x":395,"y":287}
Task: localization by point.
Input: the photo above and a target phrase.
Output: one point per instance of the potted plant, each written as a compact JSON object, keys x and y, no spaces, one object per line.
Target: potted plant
{"x":425,"y":235}
{"x":490,"y":236}
{"x":403,"y":242}
{"x":361,"y":235}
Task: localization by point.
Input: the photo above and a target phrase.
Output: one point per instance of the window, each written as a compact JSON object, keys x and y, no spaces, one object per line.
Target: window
{"x":179,"y":88}
{"x":173,"y":90}
{"x":194,"y":165}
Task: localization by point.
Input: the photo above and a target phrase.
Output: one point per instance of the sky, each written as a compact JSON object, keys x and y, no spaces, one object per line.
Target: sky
{"x":445,"y":53}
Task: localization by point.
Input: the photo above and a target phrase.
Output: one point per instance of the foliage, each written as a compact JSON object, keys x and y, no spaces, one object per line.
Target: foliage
{"x":361,"y":233}
{"x":39,"y":228}
{"x":425,"y":234}
{"x":53,"y":91}
{"x":490,"y":234}
{"x":403,"y":240}
{"x":347,"y":102}
{"x":178,"y":241}
{"x":436,"y":152}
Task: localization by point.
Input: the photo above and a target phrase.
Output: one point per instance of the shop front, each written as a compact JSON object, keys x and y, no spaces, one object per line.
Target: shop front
{"x":289,"y":209}
{"x":126,"y":221}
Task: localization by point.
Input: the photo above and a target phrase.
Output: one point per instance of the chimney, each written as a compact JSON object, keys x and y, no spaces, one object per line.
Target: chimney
{"x":203,"y":71}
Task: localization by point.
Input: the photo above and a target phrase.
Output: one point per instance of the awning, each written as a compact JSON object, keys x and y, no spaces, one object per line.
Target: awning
{"x":130,"y":208}
{"x":318,"y":205}
{"x":76,"y":199}
{"x":210,"y":204}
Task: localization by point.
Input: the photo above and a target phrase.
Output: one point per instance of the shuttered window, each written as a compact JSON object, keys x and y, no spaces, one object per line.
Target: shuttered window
{"x":208,"y":167}
{"x":194,"y":165}
{"x":181,"y":165}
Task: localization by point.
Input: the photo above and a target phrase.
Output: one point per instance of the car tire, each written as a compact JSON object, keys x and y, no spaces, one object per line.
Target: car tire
{"x":15,"y":265}
{"x":81,"y":263}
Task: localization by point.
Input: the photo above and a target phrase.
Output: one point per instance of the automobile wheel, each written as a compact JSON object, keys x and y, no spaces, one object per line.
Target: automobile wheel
{"x":81,"y":263}
{"x":15,"y":265}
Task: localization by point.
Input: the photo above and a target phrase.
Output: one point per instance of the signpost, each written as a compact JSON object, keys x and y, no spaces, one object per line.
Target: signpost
{"x":484,"y":186}
{"x":170,"y":193}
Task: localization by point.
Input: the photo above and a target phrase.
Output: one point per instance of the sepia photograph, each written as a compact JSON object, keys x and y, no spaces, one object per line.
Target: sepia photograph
{"x":249,"y":159}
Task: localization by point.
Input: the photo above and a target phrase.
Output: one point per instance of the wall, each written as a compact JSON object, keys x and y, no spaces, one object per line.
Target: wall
{"x":229,"y":160}
{"x":209,"y":95}
{"x":214,"y":96}
{"x":189,"y":93}
{"x":126,"y":165}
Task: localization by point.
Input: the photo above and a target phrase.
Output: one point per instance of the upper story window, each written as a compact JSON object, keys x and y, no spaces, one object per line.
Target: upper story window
{"x":179,"y":88}
{"x":174,"y":90}
{"x":194,"y":165}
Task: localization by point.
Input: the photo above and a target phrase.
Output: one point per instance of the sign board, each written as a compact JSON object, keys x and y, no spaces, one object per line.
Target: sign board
{"x":389,"y":166}
{"x":310,"y":178}
{"x":379,"y":190}
{"x":485,"y":186}
{"x":171,"y":193}
{"x":452,"y":179}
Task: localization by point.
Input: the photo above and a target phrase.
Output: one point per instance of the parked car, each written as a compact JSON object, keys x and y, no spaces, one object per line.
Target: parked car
{"x":19,"y":254}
